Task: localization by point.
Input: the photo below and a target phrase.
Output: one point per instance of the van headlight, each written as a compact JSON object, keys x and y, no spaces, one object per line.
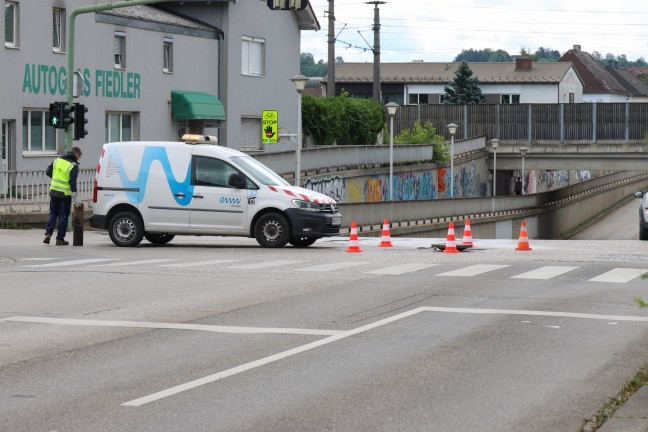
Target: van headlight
{"x":307,"y":205}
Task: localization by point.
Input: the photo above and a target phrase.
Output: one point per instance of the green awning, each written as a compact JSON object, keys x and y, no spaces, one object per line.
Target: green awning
{"x":190,"y":105}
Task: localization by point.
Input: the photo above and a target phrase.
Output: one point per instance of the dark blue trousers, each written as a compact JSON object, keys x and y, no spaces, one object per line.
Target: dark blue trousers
{"x":59,"y":209}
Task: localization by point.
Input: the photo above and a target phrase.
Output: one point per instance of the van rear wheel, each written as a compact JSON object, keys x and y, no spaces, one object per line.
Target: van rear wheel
{"x":272,"y":230}
{"x":126,"y":229}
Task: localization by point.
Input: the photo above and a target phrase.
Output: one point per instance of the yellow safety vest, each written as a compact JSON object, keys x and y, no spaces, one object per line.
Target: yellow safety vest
{"x":61,"y":169}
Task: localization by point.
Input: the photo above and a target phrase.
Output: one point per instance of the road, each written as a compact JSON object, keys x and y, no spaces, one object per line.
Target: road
{"x":620,"y":224}
{"x":215,"y":334}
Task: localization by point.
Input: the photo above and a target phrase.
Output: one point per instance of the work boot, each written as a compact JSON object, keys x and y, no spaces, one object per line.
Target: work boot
{"x":62,"y":243}
{"x":47,"y":239}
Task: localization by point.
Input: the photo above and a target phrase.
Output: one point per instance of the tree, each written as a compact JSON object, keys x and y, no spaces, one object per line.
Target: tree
{"x":546,"y":55}
{"x":309,"y":68}
{"x":484,"y":55}
{"x":464,"y":89}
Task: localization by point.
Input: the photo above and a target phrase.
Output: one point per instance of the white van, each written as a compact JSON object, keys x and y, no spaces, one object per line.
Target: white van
{"x":156,"y":190}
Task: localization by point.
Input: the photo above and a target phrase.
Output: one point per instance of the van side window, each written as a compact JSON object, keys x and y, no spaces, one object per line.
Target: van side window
{"x":211,"y":172}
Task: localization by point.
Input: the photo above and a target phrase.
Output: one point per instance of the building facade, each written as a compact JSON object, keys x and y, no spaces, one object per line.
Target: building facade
{"x":148,"y":72}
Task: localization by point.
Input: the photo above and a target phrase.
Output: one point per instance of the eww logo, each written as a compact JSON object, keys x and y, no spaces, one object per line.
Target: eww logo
{"x":225,"y":200}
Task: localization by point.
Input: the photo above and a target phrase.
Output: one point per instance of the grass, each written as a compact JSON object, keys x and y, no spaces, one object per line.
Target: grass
{"x":614,"y":403}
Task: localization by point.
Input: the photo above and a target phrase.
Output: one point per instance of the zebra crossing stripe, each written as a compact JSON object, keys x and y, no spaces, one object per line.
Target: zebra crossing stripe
{"x":474,"y":270}
{"x":266,"y":264}
{"x":619,"y":275}
{"x":334,"y":266}
{"x":401,"y":269}
{"x":200,"y":263}
{"x":546,"y":272}
{"x":129,"y":263}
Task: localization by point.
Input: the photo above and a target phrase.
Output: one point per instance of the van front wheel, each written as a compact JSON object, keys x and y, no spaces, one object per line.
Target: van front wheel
{"x":272,"y":230}
{"x":126,"y":229}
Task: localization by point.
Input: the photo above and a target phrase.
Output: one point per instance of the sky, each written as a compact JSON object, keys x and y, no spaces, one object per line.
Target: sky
{"x":437,"y":31}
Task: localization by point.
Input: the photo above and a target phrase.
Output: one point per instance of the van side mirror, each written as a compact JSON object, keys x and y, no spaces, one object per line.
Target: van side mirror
{"x":236,"y":180}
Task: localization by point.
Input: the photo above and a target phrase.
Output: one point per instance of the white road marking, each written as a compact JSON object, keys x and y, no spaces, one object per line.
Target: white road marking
{"x":619,"y":275}
{"x":201,"y":263}
{"x":334,"y":266}
{"x":263,"y":361}
{"x":72,"y":263}
{"x":307,"y":347}
{"x":37,"y":259}
{"x":473,"y":270}
{"x":130,"y":263}
{"x":266,"y":264}
{"x":546,"y":272}
{"x":401,"y":269}
{"x":173,"y":326}
{"x":552,"y":326}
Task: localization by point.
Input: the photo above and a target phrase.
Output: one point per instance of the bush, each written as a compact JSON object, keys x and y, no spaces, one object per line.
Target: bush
{"x":342,"y":120}
{"x":425,"y":134}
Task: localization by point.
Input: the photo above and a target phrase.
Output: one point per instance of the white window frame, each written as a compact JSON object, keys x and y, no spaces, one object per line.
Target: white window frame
{"x":58,"y":30}
{"x":119,"y":117}
{"x":167,"y":55}
{"x":252,"y":56}
{"x":47,"y":133}
{"x":13,"y":6}
{"x":119,"y":50}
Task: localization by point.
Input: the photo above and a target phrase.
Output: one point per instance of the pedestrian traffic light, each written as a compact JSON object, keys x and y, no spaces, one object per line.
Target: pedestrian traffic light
{"x":80,"y":121}
{"x":55,"y":115}
{"x":67,"y":115}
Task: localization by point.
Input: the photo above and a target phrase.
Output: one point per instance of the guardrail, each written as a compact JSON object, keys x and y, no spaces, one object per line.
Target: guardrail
{"x":19,"y":188}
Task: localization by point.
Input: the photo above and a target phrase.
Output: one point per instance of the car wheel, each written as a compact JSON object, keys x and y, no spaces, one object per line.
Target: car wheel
{"x":126,"y":229}
{"x":302,"y":241}
{"x":272,"y":230}
{"x":159,"y":239}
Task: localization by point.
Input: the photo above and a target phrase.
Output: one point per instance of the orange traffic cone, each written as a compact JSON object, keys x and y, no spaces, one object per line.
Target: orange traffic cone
{"x":354,"y":245}
{"x":451,"y":242}
{"x":523,"y":243}
{"x":385,"y":241}
{"x":467,"y":234}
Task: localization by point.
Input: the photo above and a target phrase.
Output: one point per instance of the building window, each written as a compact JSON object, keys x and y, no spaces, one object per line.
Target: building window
{"x":510,"y":99}
{"x":38,"y":137}
{"x":119,"y":50}
{"x":11,"y":24}
{"x":417,"y":98}
{"x":58,"y":30}
{"x":571,"y":98}
{"x":253,"y":56}
{"x":119,"y":127}
{"x":167,"y":55}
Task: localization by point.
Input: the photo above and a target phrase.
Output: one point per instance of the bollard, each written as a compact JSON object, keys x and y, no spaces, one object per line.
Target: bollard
{"x":77,"y":225}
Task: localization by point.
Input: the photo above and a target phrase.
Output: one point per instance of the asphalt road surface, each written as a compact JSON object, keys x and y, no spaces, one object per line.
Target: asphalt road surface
{"x":218,"y":334}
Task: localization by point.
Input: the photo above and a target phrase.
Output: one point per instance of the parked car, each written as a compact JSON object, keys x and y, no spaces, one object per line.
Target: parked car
{"x":643,"y":215}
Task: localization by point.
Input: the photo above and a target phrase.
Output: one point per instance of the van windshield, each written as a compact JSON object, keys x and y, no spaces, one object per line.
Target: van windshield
{"x":259,"y":172}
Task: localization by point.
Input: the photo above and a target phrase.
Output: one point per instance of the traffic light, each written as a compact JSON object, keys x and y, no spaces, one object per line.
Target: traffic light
{"x":80,"y":121}
{"x":67,"y":115}
{"x":55,"y":115}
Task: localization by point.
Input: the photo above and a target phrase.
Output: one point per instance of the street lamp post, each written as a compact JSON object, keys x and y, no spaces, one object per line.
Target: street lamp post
{"x":494,"y":144}
{"x":523,"y":151}
{"x":392,"y":107}
{"x":452,"y":128}
{"x":300,"y":83}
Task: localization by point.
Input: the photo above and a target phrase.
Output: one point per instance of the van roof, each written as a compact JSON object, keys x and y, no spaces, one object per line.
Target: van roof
{"x":224,"y":151}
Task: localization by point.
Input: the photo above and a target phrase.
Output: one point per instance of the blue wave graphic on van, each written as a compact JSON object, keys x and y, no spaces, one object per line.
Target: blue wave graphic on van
{"x":152,"y":154}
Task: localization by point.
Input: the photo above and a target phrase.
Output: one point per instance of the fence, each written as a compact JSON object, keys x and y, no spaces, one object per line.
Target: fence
{"x":582,"y":123}
{"x":21,"y":188}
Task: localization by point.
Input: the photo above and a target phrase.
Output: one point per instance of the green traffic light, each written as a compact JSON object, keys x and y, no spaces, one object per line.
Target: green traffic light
{"x":54,"y":121}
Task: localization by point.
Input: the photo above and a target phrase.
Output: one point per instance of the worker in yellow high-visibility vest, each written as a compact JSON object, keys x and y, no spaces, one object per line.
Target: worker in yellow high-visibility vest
{"x":63,"y":191}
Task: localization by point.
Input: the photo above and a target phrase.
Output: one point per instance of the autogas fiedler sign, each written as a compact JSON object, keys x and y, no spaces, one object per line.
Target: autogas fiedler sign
{"x":107,"y":83}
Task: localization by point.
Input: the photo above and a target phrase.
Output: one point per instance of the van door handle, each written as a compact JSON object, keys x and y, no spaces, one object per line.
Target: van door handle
{"x":197,"y":196}
{"x":179,"y":195}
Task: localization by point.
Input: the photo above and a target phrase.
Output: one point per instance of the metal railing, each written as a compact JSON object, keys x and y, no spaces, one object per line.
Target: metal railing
{"x":22,"y":188}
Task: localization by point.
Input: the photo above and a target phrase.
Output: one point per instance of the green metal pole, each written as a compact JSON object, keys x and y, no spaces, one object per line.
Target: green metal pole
{"x":70,"y":46}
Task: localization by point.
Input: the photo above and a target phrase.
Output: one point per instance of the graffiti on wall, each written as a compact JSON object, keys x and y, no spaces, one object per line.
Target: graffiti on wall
{"x":333,"y":187}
